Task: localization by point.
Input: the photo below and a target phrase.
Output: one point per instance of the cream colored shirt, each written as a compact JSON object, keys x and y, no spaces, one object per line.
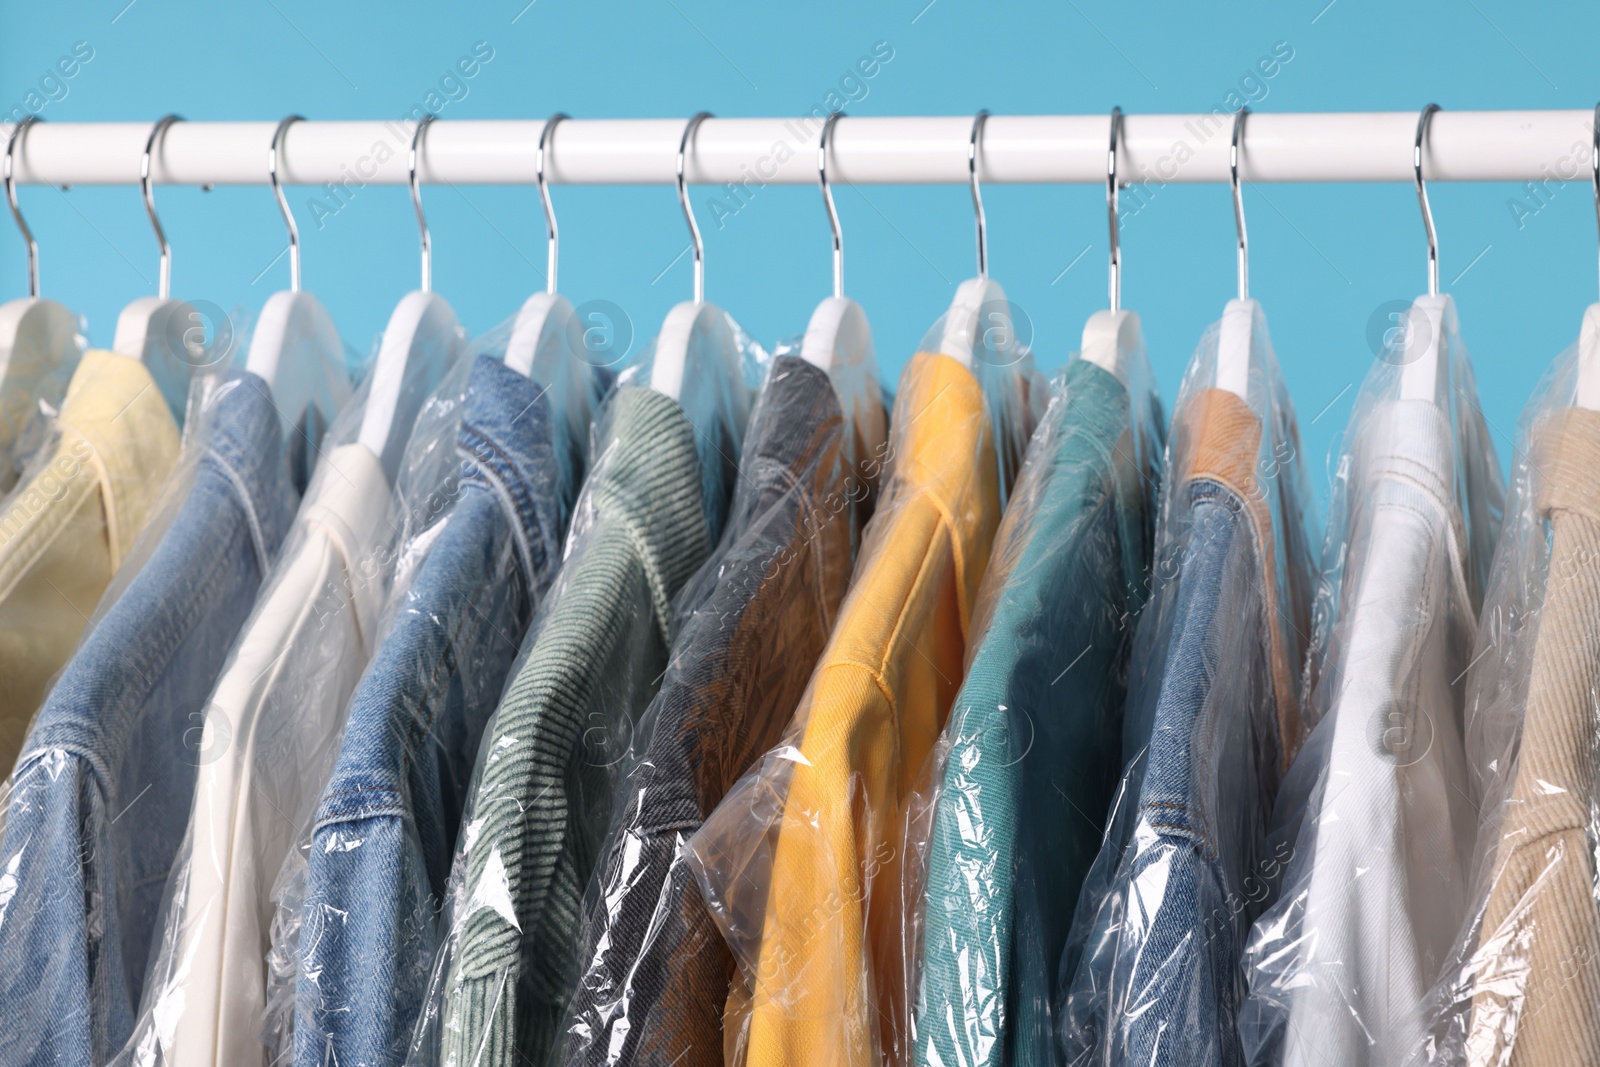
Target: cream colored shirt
{"x":64,"y":533}
{"x":270,"y":733}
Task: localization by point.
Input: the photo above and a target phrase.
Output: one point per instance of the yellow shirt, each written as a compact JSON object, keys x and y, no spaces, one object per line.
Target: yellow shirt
{"x":64,"y":532}
{"x":829,"y":980}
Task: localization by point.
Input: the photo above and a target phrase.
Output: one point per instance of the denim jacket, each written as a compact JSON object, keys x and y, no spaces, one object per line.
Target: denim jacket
{"x":97,"y":806}
{"x":386,"y":825}
{"x":1211,"y":724}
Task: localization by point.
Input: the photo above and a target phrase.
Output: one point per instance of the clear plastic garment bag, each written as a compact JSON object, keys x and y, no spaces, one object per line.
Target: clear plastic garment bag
{"x":1376,"y":820}
{"x":654,"y":503}
{"x":1213,"y":718}
{"x":1523,"y":976}
{"x":800,"y":864}
{"x":747,"y":630}
{"x":271,"y":729}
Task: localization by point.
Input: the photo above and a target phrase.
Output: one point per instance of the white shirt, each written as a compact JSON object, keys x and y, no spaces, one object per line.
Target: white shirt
{"x":270,"y":732}
{"x":1390,"y":836}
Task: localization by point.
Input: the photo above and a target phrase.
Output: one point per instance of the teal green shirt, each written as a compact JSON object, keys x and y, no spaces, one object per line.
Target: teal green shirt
{"x":1032,"y":751}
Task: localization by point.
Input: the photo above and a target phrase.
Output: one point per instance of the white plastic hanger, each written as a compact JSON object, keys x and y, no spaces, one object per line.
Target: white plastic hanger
{"x":1110,"y":337}
{"x":979,"y":304}
{"x":37,"y":337}
{"x":1424,"y":345}
{"x":675,"y":344}
{"x":1589,"y":337}
{"x":838,"y":339}
{"x":421,"y":338}
{"x":541,"y":344}
{"x":296,"y":348}
{"x":1236,"y":335}
{"x":156,"y":329}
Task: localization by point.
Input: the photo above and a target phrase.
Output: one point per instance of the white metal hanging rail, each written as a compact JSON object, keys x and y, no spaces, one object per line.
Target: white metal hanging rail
{"x":1335,"y":147}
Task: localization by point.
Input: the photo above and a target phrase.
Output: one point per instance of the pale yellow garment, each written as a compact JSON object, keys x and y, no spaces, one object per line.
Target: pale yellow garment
{"x":828,"y":988}
{"x":1536,"y":997}
{"x":64,"y":533}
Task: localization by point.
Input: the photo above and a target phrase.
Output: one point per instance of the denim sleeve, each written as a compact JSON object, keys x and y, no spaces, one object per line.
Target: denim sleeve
{"x":1153,"y":962}
{"x":386,"y":825}
{"x":368,"y":933}
{"x":50,"y":968}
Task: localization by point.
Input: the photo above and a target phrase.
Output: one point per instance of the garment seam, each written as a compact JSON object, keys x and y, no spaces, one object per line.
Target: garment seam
{"x":526,"y":520}
{"x":247,"y":505}
{"x":44,"y":527}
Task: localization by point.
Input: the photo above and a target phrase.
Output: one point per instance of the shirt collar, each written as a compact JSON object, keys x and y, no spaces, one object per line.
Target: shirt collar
{"x":647,"y":477}
{"x":113,"y":404}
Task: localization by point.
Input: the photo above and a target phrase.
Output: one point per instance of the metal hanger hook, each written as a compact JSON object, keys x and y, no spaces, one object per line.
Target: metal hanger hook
{"x":550,"y":229}
{"x":1594,"y":164}
{"x":827,"y":201}
{"x":974,"y":147}
{"x":416,"y":201}
{"x":688,"y":212}
{"x":1238,"y":202}
{"x":157,"y":137}
{"x":283,"y":203}
{"x":1423,"y":122}
{"x":1111,"y":210}
{"x":17,"y":133}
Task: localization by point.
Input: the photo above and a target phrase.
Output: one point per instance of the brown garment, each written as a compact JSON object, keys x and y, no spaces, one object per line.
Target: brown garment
{"x":1536,"y":999}
{"x":755,"y":618}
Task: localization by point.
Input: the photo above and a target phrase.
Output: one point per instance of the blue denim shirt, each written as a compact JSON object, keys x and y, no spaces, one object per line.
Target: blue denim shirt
{"x":1159,"y":982}
{"x":99,"y":801}
{"x":386,"y":825}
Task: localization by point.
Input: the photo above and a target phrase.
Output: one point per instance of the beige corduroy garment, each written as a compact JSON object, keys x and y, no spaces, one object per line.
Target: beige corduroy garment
{"x":1537,"y":996}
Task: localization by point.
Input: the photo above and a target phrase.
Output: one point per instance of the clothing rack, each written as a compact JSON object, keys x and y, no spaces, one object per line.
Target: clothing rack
{"x":1517,"y":146}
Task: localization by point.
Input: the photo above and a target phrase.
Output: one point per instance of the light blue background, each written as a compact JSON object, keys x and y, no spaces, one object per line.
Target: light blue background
{"x":1324,"y":257}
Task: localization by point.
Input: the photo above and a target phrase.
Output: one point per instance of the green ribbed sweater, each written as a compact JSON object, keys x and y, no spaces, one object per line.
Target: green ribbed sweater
{"x":544,"y":792}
